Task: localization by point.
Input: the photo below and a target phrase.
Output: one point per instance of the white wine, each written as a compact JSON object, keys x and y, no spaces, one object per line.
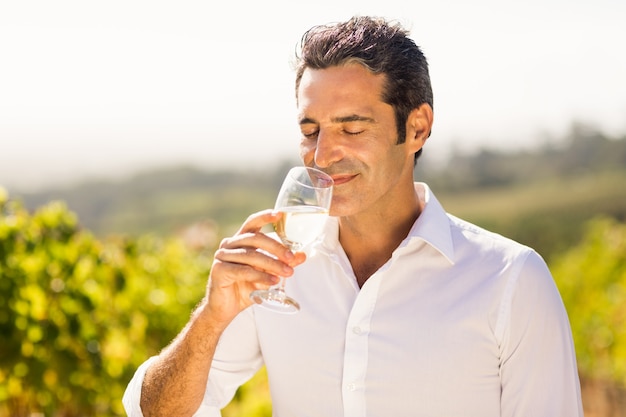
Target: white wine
{"x":300,"y":225}
{"x":304,"y":200}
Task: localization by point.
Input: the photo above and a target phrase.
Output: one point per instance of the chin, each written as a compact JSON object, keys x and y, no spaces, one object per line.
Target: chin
{"x":342,"y":209}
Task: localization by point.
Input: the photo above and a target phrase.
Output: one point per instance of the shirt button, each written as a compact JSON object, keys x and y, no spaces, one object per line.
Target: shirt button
{"x":356,"y":330}
{"x":351,"y":387}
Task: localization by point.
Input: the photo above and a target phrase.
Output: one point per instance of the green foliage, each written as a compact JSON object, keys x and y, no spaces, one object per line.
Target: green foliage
{"x":252,"y":399}
{"x":78,"y":315}
{"x":592,"y":279}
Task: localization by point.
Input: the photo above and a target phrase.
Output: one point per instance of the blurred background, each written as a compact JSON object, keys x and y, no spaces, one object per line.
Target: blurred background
{"x":135,"y":134}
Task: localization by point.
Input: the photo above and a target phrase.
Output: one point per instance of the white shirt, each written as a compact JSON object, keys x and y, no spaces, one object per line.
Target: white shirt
{"x":459,"y":322}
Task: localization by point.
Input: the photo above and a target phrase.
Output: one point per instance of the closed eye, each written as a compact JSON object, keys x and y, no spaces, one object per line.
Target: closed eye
{"x":354,"y":125}
{"x":353,"y":133}
{"x":311,"y":135}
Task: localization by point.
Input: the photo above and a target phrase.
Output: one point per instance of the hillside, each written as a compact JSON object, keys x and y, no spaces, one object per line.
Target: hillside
{"x":541,"y":197}
{"x":166,"y":200}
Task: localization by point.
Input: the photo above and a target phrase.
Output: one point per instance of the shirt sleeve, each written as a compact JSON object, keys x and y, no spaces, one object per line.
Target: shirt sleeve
{"x":132,"y":395}
{"x":538,"y":362}
{"x":236,"y":360}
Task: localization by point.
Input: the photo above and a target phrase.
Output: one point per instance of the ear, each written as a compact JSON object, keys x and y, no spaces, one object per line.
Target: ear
{"x":418,"y":126}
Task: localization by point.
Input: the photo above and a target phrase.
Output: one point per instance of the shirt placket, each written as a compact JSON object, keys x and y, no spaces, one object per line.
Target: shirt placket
{"x":356,"y":351}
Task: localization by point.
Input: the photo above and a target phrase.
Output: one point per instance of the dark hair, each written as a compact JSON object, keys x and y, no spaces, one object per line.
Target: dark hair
{"x":382,"y":46}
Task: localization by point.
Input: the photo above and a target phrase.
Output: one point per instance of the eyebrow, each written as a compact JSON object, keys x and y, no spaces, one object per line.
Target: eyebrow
{"x":342,"y":119}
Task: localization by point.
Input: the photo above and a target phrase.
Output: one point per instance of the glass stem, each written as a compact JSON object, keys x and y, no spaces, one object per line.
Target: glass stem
{"x":279,"y":290}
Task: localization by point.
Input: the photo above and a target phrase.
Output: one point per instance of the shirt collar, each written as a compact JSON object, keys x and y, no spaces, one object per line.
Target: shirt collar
{"x":432,"y":226}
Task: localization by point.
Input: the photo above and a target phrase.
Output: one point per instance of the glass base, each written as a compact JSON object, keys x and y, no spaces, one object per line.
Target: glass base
{"x":275,"y":300}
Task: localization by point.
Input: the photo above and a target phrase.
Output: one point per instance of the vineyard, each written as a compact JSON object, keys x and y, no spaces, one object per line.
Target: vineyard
{"x":78,"y":314}
{"x":83,"y":303}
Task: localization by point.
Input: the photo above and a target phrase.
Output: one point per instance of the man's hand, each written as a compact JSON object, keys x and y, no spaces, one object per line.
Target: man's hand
{"x":247,"y":261}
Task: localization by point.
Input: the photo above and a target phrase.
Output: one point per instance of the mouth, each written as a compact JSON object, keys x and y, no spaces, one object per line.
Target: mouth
{"x":342,"y":179}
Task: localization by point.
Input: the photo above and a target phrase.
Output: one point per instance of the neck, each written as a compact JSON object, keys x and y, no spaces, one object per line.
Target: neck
{"x":369,"y":238}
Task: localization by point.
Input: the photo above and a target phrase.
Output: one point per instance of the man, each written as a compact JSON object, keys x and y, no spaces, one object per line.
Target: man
{"x":405,"y":310}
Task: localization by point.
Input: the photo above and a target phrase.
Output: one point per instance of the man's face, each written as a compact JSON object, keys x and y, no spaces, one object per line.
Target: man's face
{"x":349,"y":132}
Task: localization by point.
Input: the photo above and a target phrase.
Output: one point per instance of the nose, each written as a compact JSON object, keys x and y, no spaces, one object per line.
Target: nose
{"x":327,"y":150}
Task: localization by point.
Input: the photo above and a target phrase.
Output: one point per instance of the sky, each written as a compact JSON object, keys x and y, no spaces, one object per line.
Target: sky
{"x":105,"y":89}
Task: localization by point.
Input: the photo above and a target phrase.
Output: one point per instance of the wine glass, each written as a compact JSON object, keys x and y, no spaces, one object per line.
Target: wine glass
{"x":304,"y":200}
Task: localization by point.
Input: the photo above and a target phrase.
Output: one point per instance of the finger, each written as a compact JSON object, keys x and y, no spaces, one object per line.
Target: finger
{"x":256,"y":221}
{"x":229,"y":272}
{"x":257,"y":259}
{"x":261,"y":242}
